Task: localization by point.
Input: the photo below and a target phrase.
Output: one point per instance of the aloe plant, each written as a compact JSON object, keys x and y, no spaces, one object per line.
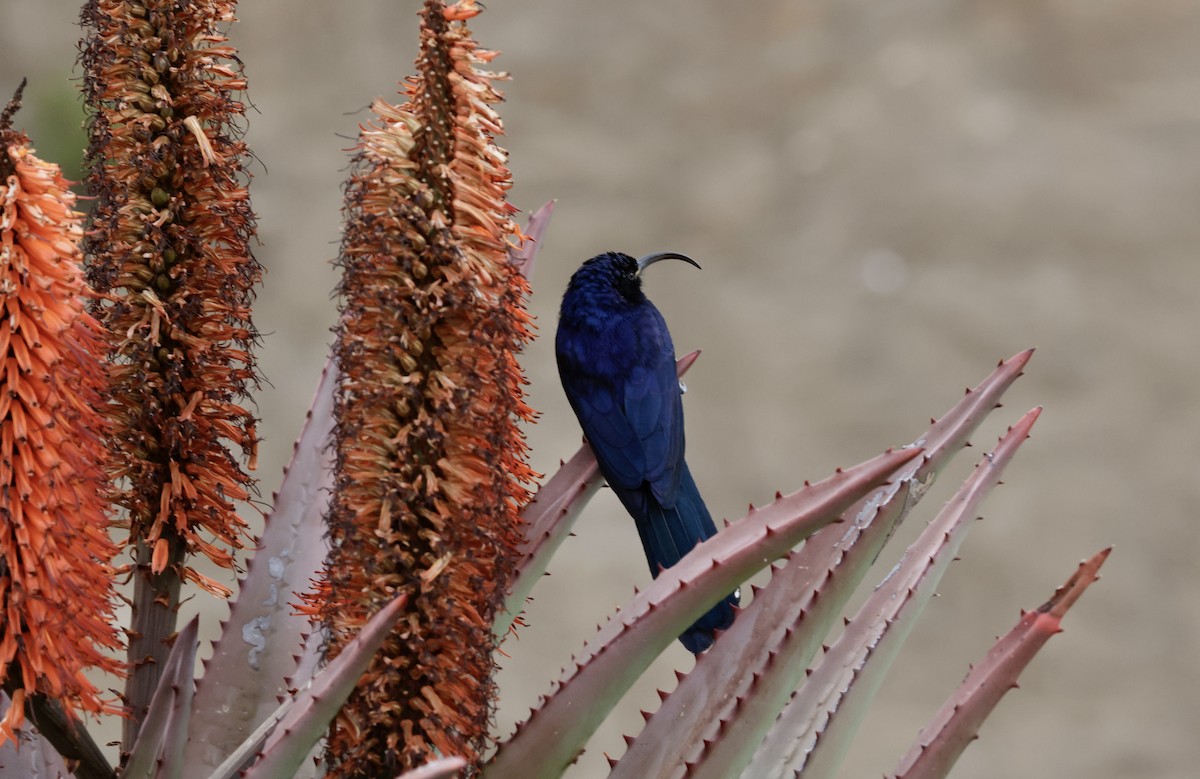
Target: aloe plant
{"x":404,"y":539}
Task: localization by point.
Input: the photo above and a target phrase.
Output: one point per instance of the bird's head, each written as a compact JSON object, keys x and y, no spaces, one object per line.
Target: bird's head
{"x":622,"y":273}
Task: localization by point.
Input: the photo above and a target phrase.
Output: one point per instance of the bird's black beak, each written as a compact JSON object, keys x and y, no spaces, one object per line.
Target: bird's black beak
{"x":650,"y":259}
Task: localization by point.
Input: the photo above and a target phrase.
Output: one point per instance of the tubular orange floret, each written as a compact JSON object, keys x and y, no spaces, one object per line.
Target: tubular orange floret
{"x":431,"y":464}
{"x":56,"y":577}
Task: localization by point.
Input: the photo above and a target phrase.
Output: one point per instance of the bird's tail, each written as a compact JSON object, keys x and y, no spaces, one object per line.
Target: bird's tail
{"x":670,"y":533}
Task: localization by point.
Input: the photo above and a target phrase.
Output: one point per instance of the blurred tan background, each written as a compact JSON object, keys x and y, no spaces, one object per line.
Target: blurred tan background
{"x":886,"y":199}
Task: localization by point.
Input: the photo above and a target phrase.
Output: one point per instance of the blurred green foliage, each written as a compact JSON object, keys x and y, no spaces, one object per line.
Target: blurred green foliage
{"x":52,"y":115}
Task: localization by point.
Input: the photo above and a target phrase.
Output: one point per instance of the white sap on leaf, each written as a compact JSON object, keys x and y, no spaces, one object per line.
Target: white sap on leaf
{"x":254,"y":634}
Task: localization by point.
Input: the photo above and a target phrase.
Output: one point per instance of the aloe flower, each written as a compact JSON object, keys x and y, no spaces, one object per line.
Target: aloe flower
{"x":431,"y":467}
{"x":169,"y":249}
{"x":56,"y":578}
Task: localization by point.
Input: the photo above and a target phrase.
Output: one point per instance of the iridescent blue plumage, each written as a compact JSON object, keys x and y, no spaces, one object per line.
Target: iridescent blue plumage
{"x":617,"y":366}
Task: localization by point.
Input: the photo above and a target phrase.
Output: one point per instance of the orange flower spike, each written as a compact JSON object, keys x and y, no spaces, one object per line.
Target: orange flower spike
{"x":169,"y":242}
{"x":56,"y":591}
{"x":430,"y":470}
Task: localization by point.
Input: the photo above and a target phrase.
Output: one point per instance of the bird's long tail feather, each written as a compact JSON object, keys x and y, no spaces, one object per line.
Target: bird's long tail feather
{"x":670,"y":533}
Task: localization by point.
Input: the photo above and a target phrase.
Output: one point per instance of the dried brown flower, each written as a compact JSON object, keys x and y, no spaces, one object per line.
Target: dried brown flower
{"x":169,"y":249}
{"x":56,"y":580}
{"x":431,"y":466}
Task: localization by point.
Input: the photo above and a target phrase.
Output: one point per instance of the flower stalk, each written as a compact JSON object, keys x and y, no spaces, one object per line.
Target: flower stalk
{"x":431,"y":468}
{"x":169,"y":249}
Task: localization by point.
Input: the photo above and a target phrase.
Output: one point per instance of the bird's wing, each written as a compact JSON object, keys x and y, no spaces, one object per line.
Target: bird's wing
{"x":654,"y":407}
{"x":594,"y":388}
{"x":627,"y":398}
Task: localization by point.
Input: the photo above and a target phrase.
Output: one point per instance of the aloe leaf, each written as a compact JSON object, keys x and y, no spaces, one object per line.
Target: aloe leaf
{"x":736,"y":689}
{"x":66,"y":734}
{"x":957,"y":723}
{"x":629,"y":642}
{"x":29,"y":755}
{"x":445,"y":768}
{"x":549,"y":517}
{"x":284,"y":739}
{"x":158,"y":751}
{"x":711,"y":723}
{"x":815,"y":728}
{"x":260,"y":643}
{"x":525,"y":256}
{"x":31,"y":758}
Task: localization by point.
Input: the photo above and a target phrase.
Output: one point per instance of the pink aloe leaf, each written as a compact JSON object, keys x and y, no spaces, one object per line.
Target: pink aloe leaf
{"x":444,"y":768}
{"x":284,"y":739}
{"x":814,"y":730}
{"x":774,"y":638}
{"x":629,"y":641}
{"x":550,"y":516}
{"x":957,"y":723}
{"x":255,"y":661}
{"x":525,"y":255}
{"x":549,"y":519}
{"x":755,"y":666}
{"x":49,"y":724}
{"x":158,"y":751}
{"x":30,"y":754}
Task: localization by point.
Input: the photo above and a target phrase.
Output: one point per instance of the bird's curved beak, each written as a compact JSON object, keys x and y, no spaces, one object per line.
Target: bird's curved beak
{"x":650,"y":259}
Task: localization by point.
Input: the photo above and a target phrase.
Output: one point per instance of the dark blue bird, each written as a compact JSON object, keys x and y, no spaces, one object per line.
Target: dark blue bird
{"x":617,"y":366}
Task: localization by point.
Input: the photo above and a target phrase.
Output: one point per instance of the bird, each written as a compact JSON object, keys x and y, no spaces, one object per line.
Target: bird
{"x":616,"y":362}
